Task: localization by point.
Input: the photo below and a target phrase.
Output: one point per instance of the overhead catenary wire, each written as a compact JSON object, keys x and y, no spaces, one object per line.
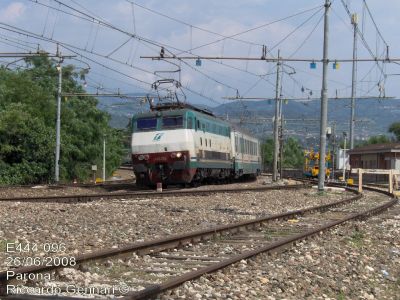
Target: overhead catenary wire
{"x":294,"y":30}
{"x":307,"y":37}
{"x":373,"y":21}
{"x":224,"y":37}
{"x":100,"y":22}
{"x":361,"y":35}
{"x":151,"y":42}
{"x":145,"y":41}
{"x":69,"y":46}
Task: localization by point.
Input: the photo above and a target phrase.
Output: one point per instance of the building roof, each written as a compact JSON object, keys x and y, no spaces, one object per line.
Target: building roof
{"x":376,"y":148}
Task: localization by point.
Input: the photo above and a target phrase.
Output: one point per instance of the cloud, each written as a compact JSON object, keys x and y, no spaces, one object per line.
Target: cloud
{"x":12,"y":12}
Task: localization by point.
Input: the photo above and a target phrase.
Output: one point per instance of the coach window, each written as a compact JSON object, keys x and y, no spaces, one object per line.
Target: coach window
{"x":206,"y":142}
{"x":201,"y":142}
{"x":203,"y":126}
{"x":198,"y":124}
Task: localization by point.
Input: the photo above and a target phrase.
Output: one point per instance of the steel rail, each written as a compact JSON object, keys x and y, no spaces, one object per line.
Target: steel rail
{"x":157,"y":245}
{"x":174,"y":282}
{"x":62,"y":185}
{"x":167,"y":193}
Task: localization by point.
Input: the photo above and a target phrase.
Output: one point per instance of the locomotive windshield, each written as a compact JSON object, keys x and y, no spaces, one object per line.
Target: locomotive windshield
{"x":146,"y":124}
{"x":172,"y":122}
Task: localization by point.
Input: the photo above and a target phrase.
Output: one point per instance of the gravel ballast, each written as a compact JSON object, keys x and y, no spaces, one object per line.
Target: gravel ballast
{"x":359,"y":260}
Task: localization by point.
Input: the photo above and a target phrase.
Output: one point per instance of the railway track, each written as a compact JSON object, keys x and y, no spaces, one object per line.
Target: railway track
{"x":152,"y":267}
{"x":147,"y":193}
{"x":65,"y":185}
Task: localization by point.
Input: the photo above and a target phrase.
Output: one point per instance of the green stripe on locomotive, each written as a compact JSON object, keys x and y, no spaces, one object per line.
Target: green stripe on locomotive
{"x":191,"y":120}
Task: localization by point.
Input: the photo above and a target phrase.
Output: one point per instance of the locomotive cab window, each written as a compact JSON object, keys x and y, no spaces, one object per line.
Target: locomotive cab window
{"x":172,"y":122}
{"x":146,"y":124}
{"x":189,"y":123}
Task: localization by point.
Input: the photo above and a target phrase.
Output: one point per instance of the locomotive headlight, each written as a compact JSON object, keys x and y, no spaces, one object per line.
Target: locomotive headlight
{"x":178,"y":155}
{"x":146,"y":157}
{"x":141,"y":157}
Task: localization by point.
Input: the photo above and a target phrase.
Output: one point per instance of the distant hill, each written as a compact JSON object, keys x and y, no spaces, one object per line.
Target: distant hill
{"x":374,"y":115}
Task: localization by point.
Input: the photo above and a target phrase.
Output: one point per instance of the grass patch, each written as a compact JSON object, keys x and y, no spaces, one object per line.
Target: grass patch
{"x":341,"y":296}
{"x":357,"y":238}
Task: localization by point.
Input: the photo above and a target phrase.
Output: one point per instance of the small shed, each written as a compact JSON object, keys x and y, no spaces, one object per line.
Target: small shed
{"x":376,"y":156}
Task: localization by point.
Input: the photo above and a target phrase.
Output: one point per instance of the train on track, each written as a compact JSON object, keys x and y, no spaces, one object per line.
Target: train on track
{"x":177,"y":143}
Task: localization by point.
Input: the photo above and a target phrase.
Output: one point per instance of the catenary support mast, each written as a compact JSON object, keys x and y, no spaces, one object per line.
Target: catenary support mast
{"x":58,"y":122}
{"x":324,"y":101}
{"x":276,"y":121}
{"x":354,"y":22}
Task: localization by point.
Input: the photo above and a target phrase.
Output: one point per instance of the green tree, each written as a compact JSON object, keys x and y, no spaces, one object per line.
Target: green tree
{"x":395,"y":129}
{"x":267,"y":149}
{"x":292,"y":153}
{"x":376,"y":139}
{"x":27,"y":126}
{"x":25,"y":146}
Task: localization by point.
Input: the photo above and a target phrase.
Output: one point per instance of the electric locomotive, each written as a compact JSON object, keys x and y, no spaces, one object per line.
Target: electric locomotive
{"x":177,"y":143}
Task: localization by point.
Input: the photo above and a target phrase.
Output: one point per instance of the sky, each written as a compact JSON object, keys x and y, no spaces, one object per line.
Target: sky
{"x":207,"y":28}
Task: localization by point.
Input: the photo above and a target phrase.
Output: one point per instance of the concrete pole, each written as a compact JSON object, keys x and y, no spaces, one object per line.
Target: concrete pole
{"x":281,"y":145}
{"x":333,"y":149}
{"x":344,"y":159}
{"x":58,"y":123}
{"x":324,"y":102}
{"x":276,"y":121}
{"x":104,"y":158}
{"x":354,"y":22}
